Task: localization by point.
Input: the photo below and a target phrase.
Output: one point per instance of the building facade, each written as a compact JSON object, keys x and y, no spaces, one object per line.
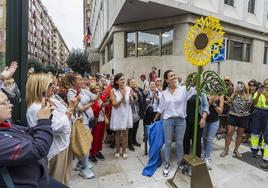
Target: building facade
{"x":45,"y":42}
{"x":2,"y":32}
{"x":93,"y":55}
{"x":133,"y":36}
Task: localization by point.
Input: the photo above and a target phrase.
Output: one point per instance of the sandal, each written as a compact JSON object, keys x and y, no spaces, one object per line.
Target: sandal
{"x":125,"y":156}
{"x":237,"y":154}
{"x":117,"y":155}
{"x":224,"y":153}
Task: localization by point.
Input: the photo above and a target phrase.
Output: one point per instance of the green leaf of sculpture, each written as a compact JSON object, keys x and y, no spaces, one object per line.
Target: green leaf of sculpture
{"x":191,"y":80}
{"x":212,"y":84}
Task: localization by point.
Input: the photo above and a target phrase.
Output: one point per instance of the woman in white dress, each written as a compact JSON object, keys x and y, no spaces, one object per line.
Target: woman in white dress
{"x":121,"y":117}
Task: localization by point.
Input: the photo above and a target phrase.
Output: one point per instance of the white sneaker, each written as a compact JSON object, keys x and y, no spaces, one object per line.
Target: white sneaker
{"x":86,"y":173}
{"x":166,"y":169}
{"x":208,"y":163}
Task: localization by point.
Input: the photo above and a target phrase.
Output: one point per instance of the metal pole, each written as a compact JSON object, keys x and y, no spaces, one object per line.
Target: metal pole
{"x":198,"y":91}
{"x":17,"y":49}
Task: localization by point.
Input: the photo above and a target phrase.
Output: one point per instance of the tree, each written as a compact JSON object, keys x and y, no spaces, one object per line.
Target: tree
{"x":78,"y":61}
{"x":37,"y":65}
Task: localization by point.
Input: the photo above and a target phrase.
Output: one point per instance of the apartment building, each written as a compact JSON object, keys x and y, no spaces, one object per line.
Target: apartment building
{"x":93,"y":54}
{"x":44,"y":39}
{"x":132,"y":36}
{"x":2,"y":32}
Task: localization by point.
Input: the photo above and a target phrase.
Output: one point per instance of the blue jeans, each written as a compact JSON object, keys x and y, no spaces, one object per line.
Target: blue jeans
{"x":179,"y":124}
{"x":85,"y":161}
{"x":209,"y":133}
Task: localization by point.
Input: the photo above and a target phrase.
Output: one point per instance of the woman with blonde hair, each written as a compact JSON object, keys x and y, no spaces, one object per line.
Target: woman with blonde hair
{"x":240,"y":103}
{"x":39,"y":86}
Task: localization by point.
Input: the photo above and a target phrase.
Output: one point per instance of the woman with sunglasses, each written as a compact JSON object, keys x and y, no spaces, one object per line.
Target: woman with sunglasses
{"x":39,"y":86}
{"x":240,"y":103}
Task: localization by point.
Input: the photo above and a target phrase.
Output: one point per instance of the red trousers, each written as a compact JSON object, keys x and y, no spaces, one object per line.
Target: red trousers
{"x":98,"y":134}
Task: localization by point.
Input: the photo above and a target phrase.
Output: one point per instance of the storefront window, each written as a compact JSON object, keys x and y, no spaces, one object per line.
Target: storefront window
{"x":131,"y":44}
{"x":110,"y":50}
{"x":167,"y":41}
{"x":149,"y":43}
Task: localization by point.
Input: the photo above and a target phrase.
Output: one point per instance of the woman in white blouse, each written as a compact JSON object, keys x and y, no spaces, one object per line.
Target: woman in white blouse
{"x":37,"y":86}
{"x":172,"y":107}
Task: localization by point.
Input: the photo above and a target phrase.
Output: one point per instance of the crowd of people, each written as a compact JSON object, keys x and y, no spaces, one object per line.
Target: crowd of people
{"x":112,"y":107}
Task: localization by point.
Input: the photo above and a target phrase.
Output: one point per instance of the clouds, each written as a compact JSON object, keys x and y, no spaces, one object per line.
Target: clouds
{"x":68,"y":17}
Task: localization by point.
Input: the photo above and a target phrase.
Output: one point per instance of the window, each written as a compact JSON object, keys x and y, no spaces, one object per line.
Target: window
{"x":131,"y":44}
{"x":149,"y":42}
{"x":167,"y":41}
{"x":103,"y":57}
{"x":238,"y":48}
{"x":265,"y":59}
{"x":110,"y":50}
{"x":229,"y":2}
{"x":251,"y":6}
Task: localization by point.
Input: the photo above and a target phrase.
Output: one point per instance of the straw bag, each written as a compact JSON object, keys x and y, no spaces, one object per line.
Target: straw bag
{"x":81,"y":138}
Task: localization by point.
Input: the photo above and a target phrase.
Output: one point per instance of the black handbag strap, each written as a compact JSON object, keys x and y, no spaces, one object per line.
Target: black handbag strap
{"x":6,"y":177}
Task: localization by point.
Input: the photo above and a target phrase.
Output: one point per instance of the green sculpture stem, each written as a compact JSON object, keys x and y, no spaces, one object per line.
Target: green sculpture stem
{"x":198,"y":92}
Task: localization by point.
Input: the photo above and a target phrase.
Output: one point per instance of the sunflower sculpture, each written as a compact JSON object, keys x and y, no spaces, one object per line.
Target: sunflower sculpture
{"x":203,"y":41}
{"x":205,"y":34}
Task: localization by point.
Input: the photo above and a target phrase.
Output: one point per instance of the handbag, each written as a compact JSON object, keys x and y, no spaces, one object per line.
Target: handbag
{"x":6,"y":177}
{"x":106,"y":120}
{"x":92,"y":122}
{"x":81,"y":138}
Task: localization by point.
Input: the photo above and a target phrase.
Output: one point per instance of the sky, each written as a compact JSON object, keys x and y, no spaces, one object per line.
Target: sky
{"x":68,"y":18}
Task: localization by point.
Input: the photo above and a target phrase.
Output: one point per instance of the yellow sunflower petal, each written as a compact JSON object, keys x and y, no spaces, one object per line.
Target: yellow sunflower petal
{"x":212,"y":29}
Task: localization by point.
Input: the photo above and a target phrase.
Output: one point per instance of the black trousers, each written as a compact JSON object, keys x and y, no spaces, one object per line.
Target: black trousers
{"x":132,"y":133}
{"x":189,"y":136}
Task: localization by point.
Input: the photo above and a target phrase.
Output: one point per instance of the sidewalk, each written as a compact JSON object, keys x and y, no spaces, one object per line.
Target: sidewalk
{"x":226,"y":172}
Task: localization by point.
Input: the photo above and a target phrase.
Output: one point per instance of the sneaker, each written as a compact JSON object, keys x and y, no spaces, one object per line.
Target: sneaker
{"x":264,"y":165}
{"x":131,"y":147}
{"x":117,"y":155}
{"x":208,"y":163}
{"x":187,"y":170}
{"x":89,"y":166}
{"x":166,"y":169}
{"x":100,"y":156}
{"x":93,"y":159}
{"x":78,"y":167}
{"x":137,"y":144}
{"x":125,"y":156}
{"x":237,"y":154}
{"x":86,"y":173}
{"x":181,"y":165}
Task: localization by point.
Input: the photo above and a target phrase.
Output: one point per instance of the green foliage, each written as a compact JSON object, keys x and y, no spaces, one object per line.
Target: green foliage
{"x":78,"y":61}
{"x":40,"y":67}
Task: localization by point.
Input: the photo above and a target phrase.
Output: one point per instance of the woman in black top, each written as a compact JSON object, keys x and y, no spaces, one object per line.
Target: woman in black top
{"x":216,"y":104}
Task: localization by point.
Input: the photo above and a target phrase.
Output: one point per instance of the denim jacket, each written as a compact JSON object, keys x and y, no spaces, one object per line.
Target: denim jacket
{"x":204,"y":104}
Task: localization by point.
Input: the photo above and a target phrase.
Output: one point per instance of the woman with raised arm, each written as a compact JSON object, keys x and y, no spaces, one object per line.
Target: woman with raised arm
{"x":172,"y":107}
